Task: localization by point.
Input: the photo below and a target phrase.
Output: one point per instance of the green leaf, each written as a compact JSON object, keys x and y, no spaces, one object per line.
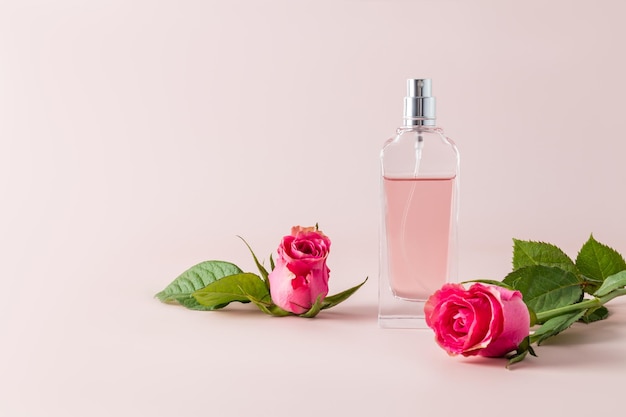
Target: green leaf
{"x":545,"y":288}
{"x":611,"y":283}
{"x":555,"y":326}
{"x":239,"y":287}
{"x":598,"y":262}
{"x":333,"y":300}
{"x":261,"y":268}
{"x":198,"y":276}
{"x":597,"y":314}
{"x":528,"y":253}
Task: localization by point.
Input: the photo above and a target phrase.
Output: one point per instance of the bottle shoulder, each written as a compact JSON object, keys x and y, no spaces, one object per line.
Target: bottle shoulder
{"x":424,"y":134}
{"x":419,"y":129}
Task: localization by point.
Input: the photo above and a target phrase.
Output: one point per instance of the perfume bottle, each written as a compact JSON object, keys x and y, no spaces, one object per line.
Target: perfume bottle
{"x":419,"y":186}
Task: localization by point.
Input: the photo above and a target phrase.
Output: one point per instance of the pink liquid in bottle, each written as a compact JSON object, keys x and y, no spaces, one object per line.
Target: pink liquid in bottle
{"x":418,"y":225}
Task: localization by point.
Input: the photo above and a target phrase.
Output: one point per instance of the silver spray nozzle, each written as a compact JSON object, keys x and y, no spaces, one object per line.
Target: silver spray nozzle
{"x":419,"y":105}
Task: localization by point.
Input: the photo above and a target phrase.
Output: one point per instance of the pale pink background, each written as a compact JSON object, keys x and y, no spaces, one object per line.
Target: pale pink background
{"x":140,"y":137}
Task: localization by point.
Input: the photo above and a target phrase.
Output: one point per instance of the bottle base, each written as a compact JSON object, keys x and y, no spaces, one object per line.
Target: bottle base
{"x":398,"y":313}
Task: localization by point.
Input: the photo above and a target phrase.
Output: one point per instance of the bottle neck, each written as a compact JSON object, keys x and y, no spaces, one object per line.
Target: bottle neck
{"x":419,"y":111}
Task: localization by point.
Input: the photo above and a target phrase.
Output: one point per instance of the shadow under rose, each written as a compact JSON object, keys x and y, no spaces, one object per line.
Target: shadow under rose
{"x":583,"y":334}
{"x":358,"y":312}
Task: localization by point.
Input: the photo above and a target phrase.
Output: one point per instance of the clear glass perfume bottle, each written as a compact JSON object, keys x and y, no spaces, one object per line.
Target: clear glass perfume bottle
{"x":420,"y":183}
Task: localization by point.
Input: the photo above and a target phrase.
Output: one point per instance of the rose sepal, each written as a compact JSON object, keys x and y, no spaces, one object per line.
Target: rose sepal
{"x":319,"y":305}
{"x":533,"y":316}
{"x":330,"y":301}
{"x":522,"y":350}
{"x":490,"y":282}
{"x":335,"y":299}
{"x":260,"y":266}
{"x":315,"y":308}
{"x":269,"y":308}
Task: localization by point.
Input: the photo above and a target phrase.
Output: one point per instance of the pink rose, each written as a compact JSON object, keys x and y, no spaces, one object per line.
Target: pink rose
{"x":484,"y":320}
{"x":300,"y":275}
